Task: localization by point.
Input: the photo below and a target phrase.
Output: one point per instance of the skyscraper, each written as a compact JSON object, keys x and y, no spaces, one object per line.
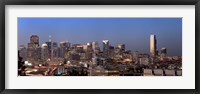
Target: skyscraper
{"x":95,"y":47}
{"x":153,"y":44}
{"x":63,"y":47}
{"x":163,"y":51}
{"x":106,"y":47}
{"x":121,"y":47}
{"x":32,"y":47}
{"x":34,"y":40}
{"x":50,"y":40}
{"x":44,"y":52}
{"x":23,"y":52}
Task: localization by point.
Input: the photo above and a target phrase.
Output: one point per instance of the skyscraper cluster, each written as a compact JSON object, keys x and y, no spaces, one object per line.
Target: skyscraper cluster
{"x":153,"y":48}
{"x":79,"y":59}
{"x":50,"y":50}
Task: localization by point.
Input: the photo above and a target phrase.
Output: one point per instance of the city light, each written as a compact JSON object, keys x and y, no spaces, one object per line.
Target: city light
{"x":71,"y":59}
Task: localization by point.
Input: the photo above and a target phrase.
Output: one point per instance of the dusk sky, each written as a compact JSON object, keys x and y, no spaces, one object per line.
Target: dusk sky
{"x":133,"y":32}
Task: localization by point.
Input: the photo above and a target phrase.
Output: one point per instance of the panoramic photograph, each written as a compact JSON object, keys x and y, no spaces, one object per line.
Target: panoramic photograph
{"x":99,"y":46}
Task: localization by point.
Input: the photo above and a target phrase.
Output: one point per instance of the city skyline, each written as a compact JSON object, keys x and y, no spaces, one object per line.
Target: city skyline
{"x":134,"y":42}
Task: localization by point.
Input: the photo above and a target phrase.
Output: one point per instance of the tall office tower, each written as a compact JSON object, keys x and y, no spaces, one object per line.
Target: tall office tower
{"x":50,"y":40}
{"x":135,"y":55}
{"x":163,"y":51}
{"x":121,"y":47}
{"x":106,"y":48}
{"x":23,"y":52}
{"x":63,"y":46}
{"x":32,"y":46}
{"x":89,"y":47}
{"x":55,"y":50}
{"x":44,"y":52}
{"x":153,"y":44}
{"x":30,"y":52}
{"x":111,"y":51}
{"x":37,"y":54}
{"x":89,"y":50}
{"x":95,"y":47}
{"x":34,"y":40}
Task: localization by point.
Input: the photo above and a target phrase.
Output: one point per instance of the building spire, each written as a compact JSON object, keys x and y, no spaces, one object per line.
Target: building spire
{"x":49,"y":38}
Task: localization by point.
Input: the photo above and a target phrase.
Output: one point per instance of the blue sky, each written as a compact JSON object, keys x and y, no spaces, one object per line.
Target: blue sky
{"x":133,"y":32}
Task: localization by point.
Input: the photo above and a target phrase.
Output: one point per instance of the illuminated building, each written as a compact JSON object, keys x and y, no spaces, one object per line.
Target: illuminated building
{"x":50,"y":40}
{"x":64,"y":44}
{"x":37,"y":54}
{"x":111,"y":51}
{"x":94,"y":60}
{"x":55,"y":50}
{"x":63,"y":47}
{"x":89,"y":51}
{"x":163,"y":51}
{"x":23,"y":52}
{"x":30,"y":52}
{"x":153,"y":44}
{"x":44,"y":53}
{"x":34,"y":40}
{"x":121,"y":47}
{"x":117,"y":51}
{"x":75,"y":46}
{"x":95,"y":47}
{"x":135,"y":56}
{"x":32,"y":48}
{"x":106,"y":47}
{"x":89,"y":47}
{"x":79,"y":48}
{"x":85,"y":47}
{"x":51,"y":46}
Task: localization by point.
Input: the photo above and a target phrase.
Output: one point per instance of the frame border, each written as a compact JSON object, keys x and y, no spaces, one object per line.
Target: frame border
{"x":3,"y":3}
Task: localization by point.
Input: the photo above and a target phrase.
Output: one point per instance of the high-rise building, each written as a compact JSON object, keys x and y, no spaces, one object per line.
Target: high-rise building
{"x":89,"y":50}
{"x":50,"y":40}
{"x":64,"y":44}
{"x":23,"y":52}
{"x":37,"y":54}
{"x":85,"y":47}
{"x":44,"y":53}
{"x":89,"y":46}
{"x":121,"y":47}
{"x":153,"y":45}
{"x":51,"y":45}
{"x":63,"y":47}
{"x":163,"y":52}
{"x":53,"y":49}
{"x":30,"y":52}
{"x":106,"y":48}
{"x":34,"y":40}
{"x":32,"y":47}
{"x":111,"y":51}
{"x":95,"y":47}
